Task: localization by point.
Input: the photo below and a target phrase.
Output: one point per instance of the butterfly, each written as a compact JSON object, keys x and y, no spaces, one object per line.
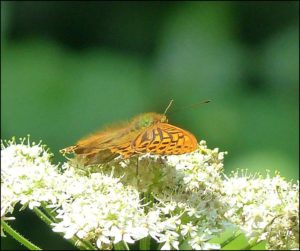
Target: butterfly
{"x":145,"y":133}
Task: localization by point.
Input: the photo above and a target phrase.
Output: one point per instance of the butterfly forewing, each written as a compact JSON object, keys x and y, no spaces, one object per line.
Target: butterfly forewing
{"x":164,"y":138}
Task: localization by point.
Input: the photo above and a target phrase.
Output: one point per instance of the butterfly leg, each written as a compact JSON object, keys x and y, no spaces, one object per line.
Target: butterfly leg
{"x":137,"y":171}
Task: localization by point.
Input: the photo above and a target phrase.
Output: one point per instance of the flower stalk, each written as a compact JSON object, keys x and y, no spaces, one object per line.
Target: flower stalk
{"x":18,"y":237}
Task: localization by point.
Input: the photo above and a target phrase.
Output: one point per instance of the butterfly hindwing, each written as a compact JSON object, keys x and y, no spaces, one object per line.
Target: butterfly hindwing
{"x":124,"y":149}
{"x":163,"y":138}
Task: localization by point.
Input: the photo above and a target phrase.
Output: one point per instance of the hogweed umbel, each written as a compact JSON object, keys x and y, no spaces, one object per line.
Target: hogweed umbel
{"x":179,"y":201}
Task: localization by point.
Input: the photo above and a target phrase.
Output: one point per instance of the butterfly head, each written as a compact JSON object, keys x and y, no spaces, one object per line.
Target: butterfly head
{"x":149,"y":119}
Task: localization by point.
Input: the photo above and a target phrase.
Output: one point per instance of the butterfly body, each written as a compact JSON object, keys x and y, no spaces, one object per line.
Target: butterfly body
{"x":146,"y":133}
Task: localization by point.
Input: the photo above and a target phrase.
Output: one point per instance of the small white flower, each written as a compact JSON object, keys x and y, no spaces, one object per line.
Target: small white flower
{"x":139,"y":233}
{"x":116,"y":233}
{"x":189,"y":228}
{"x":170,"y":240}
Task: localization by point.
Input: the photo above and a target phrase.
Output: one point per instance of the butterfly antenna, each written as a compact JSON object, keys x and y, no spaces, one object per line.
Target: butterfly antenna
{"x":194,"y":105}
{"x":169,"y":105}
{"x":200,"y":103}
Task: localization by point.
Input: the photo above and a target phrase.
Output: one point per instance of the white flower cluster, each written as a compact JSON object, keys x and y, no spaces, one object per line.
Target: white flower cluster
{"x":96,"y":207}
{"x":26,"y":176}
{"x":265,"y":209}
{"x":184,"y":192}
{"x":181,"y":201}
{"x":100,"y":209}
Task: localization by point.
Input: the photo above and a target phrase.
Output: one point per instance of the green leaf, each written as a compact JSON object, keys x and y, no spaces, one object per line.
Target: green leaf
{"x":144,"y":243}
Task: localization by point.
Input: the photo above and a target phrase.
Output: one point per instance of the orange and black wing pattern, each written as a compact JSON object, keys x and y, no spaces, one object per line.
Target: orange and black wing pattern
{"x":164,"y":139}
{"x":160,"y":138}
{"x":123,"y":149}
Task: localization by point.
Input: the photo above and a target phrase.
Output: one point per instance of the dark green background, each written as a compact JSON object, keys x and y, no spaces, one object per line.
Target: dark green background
{"x":69,"y":68}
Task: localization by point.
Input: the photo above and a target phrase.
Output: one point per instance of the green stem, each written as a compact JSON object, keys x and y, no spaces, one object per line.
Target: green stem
{"x":160,"y":246}
{"x":122,"y":245}
{"x":18,"y":237}
{"x":230,"y":239}
{"x":49,"y":213}
{"x":248,"y":247}
{"x":126,"y":245}
{"x":42,"y":216}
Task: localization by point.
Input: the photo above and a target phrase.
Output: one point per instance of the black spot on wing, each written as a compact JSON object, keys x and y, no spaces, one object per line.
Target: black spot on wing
{"x":144,"y":137}
{"x":160,"y":133}
{"x":162,"y":147}
{"x":152,"y":148}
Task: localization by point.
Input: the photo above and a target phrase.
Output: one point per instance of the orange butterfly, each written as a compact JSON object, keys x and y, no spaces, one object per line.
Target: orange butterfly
{"x":146,"y":133}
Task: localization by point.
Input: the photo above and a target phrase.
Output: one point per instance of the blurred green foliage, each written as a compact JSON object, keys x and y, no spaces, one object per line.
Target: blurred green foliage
{"x":70,"y":68}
